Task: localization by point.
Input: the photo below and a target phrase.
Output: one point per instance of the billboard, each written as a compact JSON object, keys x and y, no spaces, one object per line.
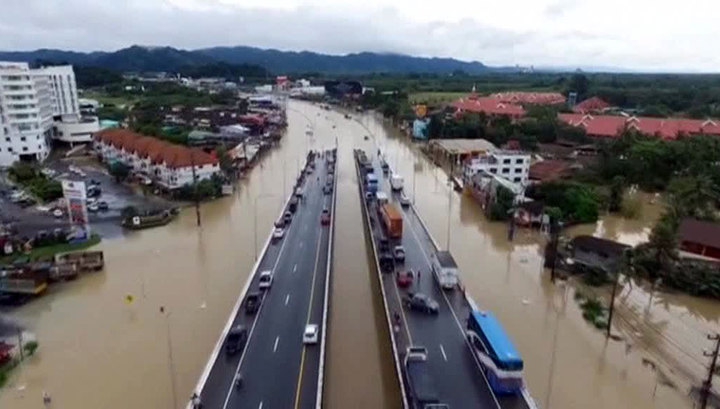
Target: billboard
{"x":76,"y":198}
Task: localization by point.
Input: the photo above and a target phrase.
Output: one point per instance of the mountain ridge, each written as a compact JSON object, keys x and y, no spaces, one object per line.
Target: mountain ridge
{"x":166,"y":58}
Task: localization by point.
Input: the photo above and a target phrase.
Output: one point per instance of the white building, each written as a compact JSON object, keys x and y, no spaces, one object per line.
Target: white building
{"x":513,"y":166}
{"x":26,"y":112}
{"x":35,"y":106}
{"x":168,"y":165}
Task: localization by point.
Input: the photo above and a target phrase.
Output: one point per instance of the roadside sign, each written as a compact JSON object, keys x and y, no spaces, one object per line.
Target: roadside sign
{"x":76,"y":196}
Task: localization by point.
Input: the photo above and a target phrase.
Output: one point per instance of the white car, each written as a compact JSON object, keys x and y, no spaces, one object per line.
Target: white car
{"x":310,"y":336}
{"x":278,"y":233}
{"x":93,"y":207}
{"x":266,"y":278}
{"x":404,"y":201}
{"x":58,"y":213}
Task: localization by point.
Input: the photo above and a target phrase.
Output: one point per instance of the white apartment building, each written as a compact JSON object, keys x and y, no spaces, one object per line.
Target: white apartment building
{"x":513,"y":166}
{"x":26,"y":114}
{"x":37,"y":105}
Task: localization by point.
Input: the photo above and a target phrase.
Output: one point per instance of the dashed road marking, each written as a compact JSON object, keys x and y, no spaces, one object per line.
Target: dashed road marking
{"x":287,"y":298}
{"x":276,"y":343}
{"x":442,"y":351}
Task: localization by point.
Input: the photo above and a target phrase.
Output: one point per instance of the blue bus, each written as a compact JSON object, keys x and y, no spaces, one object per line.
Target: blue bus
{"x":501,"y":362}
{"x":372,"y":182}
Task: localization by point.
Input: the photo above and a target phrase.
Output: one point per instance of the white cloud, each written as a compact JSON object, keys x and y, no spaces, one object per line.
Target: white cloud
{"x":639,"y":34}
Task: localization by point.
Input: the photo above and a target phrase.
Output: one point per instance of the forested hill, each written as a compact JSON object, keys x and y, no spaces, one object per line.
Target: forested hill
{"x":139,"y":58}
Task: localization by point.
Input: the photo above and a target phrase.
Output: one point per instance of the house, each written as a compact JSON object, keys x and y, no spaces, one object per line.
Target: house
{"x":487,"y":105}
{"x":612,"y":126}
{"x":699,"y":238}
{"x":511,"y":165}
{"x":549,"y":169}
{"x":539,"y":98}
{"x":591,"y":105}
{"x":530,"y":213}
{"x":170,"y":166}
{"x":597,"y":253}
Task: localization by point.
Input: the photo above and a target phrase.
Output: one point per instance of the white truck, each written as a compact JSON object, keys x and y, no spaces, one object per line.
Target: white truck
{"x":396,"y":182}
{"x":445,"y":269}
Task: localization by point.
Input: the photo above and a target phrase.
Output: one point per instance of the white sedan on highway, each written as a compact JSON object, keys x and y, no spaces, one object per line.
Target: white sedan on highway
{"x":310,"y":336}
{"x":278,"y":233}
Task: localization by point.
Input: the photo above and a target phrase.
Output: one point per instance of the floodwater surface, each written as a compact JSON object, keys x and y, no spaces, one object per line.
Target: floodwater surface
{"x":99,"y":351}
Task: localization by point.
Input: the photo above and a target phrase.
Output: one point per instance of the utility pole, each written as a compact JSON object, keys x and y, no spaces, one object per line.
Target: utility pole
{"x":448,"y":216}
{"x":556,"y":226}
{"x":612,"y":303}
{"x":707,"y":385}
{"x":195,"y":193}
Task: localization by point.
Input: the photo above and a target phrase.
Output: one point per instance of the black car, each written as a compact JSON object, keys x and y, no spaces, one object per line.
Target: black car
{"x":235,"y":340}
{"x":327,"y":189}
{"x":387,"y":263}
{"x":252,"y":302}
{"x":384,"y":245}
{"x":287,"y":218}
{"x":103,"y":205}
{"x":422,"y":303}
{"x":292,"y":206}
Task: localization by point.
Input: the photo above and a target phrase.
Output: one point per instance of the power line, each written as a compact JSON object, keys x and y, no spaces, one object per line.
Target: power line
{"x":707,"y":385}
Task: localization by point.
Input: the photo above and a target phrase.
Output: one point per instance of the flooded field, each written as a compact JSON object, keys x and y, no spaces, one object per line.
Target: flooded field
{"x":98,"y":351}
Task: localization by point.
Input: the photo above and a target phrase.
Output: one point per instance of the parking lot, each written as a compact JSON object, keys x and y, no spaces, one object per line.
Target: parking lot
{"x":28,"y":220}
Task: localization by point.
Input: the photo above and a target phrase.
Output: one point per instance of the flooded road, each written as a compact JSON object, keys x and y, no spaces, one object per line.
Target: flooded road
{"x":97,"y":351}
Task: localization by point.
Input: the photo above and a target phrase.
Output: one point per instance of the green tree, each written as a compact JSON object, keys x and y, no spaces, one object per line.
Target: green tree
{"x":224,"y":159}
{"x":119,"y":171}
{"x":616,"y":193}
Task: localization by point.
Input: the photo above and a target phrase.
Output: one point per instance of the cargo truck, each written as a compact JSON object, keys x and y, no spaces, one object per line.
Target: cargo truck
{"x":392,"y":220}
{"x":421,"y":390}
{"x":396,"y":182}
{"x":445,"y":269}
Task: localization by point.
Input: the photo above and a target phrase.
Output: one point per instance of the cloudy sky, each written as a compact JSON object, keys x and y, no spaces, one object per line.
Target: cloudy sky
{"x":658,"y":35}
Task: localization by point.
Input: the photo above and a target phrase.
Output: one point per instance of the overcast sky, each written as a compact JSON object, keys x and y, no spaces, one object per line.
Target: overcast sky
{"x":667,"y":35}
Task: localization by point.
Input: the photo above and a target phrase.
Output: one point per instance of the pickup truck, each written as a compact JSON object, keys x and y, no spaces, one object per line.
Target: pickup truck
{"x":445,"y":269}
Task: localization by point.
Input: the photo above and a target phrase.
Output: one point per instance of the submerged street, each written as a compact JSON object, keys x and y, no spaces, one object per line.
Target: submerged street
{"x":131,"y":355}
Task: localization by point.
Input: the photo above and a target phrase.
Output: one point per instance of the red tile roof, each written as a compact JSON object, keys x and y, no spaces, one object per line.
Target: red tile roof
{"x":488,"y":105}
{"x":696,"y":231}
{"x":157,"y":150}
{"x":612,"y":126}
{"x":591,"y":105}
{"x":521,"y":97}
{"x":549,"y":169}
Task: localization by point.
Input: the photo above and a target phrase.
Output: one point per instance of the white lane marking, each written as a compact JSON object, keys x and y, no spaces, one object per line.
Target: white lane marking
{"x":252,"y":328}
{"x":277,"y":339}
{"x":287,"y":298}
{"x":301,"y":244}
{"x":260,"y":406}
{"x":295,"y":268}
{"x":457,"y":321}
{"x":442,"y":350}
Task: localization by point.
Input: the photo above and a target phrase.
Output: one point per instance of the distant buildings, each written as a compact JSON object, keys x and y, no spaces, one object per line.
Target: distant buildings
{"x":37,"y":105}
{"x":168,"y":165}
{"x":612,"y":126}
{"x":505,"y":103}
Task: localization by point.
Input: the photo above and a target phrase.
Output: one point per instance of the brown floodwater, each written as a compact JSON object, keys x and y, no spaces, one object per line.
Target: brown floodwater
{"x":97,"y":351}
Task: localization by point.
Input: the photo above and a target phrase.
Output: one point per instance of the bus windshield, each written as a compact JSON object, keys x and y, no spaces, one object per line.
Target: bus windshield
{"x":494,"y":341}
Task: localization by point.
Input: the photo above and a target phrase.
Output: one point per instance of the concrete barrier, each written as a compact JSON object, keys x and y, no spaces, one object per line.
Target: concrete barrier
{"x":321,"y":367}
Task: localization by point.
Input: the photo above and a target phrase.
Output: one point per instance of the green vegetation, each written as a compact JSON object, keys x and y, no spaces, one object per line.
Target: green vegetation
{"x":593,"y":310}
{"x":29,"y":176}
{"x":47,"y":252}
{"x":435,"y":97}
{"x":500,"y":208}
{"x":5,"y":370}
{"x":577,"y":202}
{"x":30,"y":347}
{"x":119,"y":171}
{"x":204,"y":189}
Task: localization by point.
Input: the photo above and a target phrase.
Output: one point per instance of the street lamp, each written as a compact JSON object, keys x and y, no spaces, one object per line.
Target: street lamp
{"x":171,"y":363}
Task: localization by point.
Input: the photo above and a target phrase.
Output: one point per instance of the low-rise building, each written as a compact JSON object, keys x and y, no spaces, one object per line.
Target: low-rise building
{"x":168,"y":165}
{"x":612,"y":126}
{"x":513,"y":166}
{"x":699,"y":238}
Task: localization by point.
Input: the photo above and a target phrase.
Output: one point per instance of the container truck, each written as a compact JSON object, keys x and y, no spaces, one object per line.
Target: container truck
{"x":392,"y":220}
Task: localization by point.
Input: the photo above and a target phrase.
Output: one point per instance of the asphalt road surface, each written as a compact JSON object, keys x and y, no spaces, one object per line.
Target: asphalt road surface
{"x":455,"y":372}
{"x":277,"y":369}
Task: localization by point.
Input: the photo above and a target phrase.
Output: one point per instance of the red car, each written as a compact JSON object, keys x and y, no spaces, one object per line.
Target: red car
{"x":325,"y":217}
{"x":404,"y":278}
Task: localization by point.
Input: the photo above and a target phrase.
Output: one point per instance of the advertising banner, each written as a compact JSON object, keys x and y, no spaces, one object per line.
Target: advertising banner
{"x":75,"y":195}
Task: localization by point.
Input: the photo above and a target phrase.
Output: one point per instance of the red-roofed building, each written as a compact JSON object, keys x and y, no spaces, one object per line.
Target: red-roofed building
{"x":169,"y":165}
{"x":487,"y":105}
{"x":521,"y":97}
{"x":611,"y":126}
{"x":700,"y":238}
{"x":590,"y":105}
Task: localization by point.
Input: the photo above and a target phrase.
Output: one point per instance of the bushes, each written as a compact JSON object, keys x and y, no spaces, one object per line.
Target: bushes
{"x":27,"y":174}
{"x":206,"y":189}
{"x":500,"y":208}
{"x":577,"y":202}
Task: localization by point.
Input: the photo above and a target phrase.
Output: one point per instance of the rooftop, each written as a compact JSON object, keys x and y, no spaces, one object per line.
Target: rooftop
{"x":612,"y":126}
{"x":696,"y":231}
{"x":463,"y":146}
